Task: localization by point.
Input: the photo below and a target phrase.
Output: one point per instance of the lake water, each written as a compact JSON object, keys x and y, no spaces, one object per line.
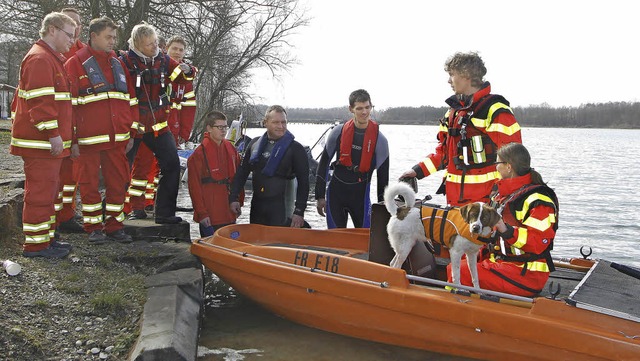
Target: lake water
{"x":595,"y":173}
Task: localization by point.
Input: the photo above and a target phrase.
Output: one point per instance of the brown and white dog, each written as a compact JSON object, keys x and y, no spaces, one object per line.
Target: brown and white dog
{"x":406,"y":227}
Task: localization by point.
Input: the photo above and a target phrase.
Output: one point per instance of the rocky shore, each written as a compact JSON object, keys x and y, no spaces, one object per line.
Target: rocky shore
{"x":87,"y":306}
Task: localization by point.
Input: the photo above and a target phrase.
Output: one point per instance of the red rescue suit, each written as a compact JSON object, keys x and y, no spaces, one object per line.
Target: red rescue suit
{"x":211,"y":170}
{"x":469,"y":136}
{"x":43,"y":110}
{"x":66,"y":203}
{"x":105,"y":109}
{"x":183,"y":109}
{"x":152,"y":78}
{"x":522,"y":261}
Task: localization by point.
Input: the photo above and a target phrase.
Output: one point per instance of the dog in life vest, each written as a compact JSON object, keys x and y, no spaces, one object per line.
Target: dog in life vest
{"x":457,"y":229}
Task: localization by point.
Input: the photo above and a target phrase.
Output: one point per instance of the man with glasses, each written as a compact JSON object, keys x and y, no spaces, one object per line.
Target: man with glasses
{"x":211,"y":168}
{"x":41,"y":133}
{"x":471,"y":132}
{"x":361,"y":148}
{"x":105,"y":110}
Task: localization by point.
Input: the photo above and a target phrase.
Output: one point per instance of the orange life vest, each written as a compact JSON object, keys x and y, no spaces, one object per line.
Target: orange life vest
{"x":368,"y":145}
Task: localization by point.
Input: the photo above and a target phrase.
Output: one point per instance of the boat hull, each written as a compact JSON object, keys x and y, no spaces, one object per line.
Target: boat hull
{"x":316,"y":278}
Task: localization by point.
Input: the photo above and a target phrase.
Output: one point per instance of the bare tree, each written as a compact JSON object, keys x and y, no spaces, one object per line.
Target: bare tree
{"x":228,"y":38}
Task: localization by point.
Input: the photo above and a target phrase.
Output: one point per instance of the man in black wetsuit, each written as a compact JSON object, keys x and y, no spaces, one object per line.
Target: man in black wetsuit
{"x":275,"y":158}
{"x":360,"y":149}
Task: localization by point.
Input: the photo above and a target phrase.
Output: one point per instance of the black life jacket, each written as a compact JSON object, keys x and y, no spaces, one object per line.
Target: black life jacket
{"x":99,"y":83}
{"x":147,"y":74}
{"x":475,"y":148}
{"x":514,"y":203}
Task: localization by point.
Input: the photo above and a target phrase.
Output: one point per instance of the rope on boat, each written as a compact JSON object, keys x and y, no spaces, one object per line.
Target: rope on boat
{"x":468,"y":288}
{"x":383,"y":284}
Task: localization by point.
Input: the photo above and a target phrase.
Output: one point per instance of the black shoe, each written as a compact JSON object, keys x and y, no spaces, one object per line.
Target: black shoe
{"x":120,"y":236}
{"x":97,"y":237}
{"x":50,"y":252}
{"x":138,"y":214}
{"x":72,"y":225}
{"x":149,"y":208}
{"x":62,"y":245}
{"x":168,"y":220}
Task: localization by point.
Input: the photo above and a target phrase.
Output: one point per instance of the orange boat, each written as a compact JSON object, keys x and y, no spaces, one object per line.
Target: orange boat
{"x":327,"y":280}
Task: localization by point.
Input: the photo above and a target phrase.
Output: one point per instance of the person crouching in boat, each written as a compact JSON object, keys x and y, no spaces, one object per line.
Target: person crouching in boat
{"x":211,"y":168}
{"x":520,"y":261}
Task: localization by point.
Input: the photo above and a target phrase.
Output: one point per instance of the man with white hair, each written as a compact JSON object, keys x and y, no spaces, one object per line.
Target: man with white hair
{"x":41,"y":132}
{"x":152,"y":71}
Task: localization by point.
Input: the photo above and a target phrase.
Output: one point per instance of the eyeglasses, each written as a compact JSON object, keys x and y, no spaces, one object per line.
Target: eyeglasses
{"x":221,"y":127}
{"x":71,"y":36}
{"x":496,"y":163}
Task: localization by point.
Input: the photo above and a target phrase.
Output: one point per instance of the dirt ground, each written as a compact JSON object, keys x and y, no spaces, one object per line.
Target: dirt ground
{"x":84,"y":307}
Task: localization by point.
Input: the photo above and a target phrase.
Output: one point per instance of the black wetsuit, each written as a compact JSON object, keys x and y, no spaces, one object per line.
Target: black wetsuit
{"x":348,"y":191}
{"x":267,"y":203}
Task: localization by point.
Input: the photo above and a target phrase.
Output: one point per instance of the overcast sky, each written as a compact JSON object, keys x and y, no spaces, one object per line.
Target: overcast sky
{"x":564,"y":53}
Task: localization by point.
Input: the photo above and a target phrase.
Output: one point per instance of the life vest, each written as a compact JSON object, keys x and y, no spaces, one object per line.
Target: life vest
{"x":368,"y":146}
{"x":441,"y":224}
{"x":99,"y":83}
{"x":149,"y":75}
{"x":475,"y":147}
{"x":513,"y":209}
{"x":231,"y":166}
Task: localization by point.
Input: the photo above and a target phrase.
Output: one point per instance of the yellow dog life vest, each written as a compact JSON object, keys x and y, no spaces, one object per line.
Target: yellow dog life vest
{"x":442,"y":223}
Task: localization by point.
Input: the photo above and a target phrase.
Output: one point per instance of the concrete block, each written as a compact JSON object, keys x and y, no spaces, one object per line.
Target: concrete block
{"x":148,"y":230}
{"x":11,"y":204}
{"x":171,"y":318}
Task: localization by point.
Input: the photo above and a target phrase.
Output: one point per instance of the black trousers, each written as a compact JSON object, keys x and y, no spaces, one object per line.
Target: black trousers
{"x":164,"y":148}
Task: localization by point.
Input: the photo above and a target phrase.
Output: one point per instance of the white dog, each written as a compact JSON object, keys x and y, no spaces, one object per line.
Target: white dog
{"x":445,"y":226}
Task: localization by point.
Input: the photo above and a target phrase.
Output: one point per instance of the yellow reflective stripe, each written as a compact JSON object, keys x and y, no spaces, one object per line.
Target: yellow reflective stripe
{"x":522,"y":238}
{"x":528,"y":201}
{"x":114,"y":207}
{"x":52,"y":219}
{"x":190,"y":94}
{"x":103,"y":96}
{"x":133,"y":101}
{"x":537,"y":266}
{"x":149,"y":196}
{"x":47,"y":124}
{"x":62,"y":96}
{"x":473,"y":179}
{"x":120,"y":217}
{"x":67,"y":200}
{"x":93,"y":140}
{"x":430,"y":166}
{"x":74,"y":101}
{"x":36,"y":239}
{"x":501,"y":128}
{"x":30,"y":94}
{"x":135,"y":192}
{"x":91,"y":207}
{"x":57,"y":207}
{"x":135,"y":125}
{"x":122,"y":137}
{"x":92,"y":220}
{"x":188,"y":103}
{"x":176,"y":106}
{"x":28,"y":227}
{"x":159,"y":126}
{"x":139,"y":182}
{"x":443,"y":128}
{"x":13,"y":115}
{"x":69,"y":188}
{"x":36,"y":144}
{"x":540,"y":224}
{"x":176,"y":72}
{"x":150,"y":186}
{"x":156,"y":180}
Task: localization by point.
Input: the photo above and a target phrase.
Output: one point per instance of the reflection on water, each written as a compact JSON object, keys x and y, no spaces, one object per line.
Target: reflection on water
{"x":595,"y":173}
